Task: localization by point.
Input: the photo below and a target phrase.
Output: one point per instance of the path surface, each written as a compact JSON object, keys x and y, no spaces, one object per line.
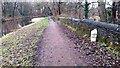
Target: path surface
{"x":56,"y":49}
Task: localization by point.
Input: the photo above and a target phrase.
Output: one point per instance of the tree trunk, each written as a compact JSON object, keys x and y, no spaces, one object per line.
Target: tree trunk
{"x":14,"y":9}
{"x":1,"y":21}
{"x":102,"y":12}
{"x":114,"y":9}
{"x":59,"y":11}
{"x":119,"y":10}
{"x":76,"y":9}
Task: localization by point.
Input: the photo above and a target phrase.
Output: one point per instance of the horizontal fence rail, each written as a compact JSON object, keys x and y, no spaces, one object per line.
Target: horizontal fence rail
{"x":107,"y":26}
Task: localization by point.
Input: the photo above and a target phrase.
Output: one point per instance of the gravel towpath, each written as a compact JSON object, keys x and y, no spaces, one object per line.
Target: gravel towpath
{"x":56,"y":49}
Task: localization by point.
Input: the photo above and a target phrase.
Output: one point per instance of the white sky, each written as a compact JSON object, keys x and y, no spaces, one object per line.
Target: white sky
{"x":96,"y":4}
{"x":54,"y":0}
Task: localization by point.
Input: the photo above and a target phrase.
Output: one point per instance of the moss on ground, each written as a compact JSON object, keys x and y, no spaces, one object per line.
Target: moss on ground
{"x":18,"y":47}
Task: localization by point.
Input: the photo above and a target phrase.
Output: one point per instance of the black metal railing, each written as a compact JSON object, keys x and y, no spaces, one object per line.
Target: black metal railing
{"x":111,"y":32}
{"x":107,"y":26}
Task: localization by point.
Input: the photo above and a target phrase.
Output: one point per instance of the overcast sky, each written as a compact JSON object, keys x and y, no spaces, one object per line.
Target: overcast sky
{"x":58,"y":0}
{"x":96,"y":5}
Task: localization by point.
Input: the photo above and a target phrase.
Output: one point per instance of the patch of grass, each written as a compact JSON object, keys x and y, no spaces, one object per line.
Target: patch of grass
{"x":83,"y":33}
{"x":114,"y":49}
{"x":70,"y":27}
{"x":17,"y":47}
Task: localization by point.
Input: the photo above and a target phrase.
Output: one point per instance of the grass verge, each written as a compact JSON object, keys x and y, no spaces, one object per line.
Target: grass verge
{"x":17,"y":47}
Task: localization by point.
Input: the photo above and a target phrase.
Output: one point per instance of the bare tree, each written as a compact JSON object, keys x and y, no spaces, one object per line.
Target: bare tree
{"x":14,"y":8}
{"x":119,"y":10}
{"x":114,"y":9}
{"x":102,"y":11}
